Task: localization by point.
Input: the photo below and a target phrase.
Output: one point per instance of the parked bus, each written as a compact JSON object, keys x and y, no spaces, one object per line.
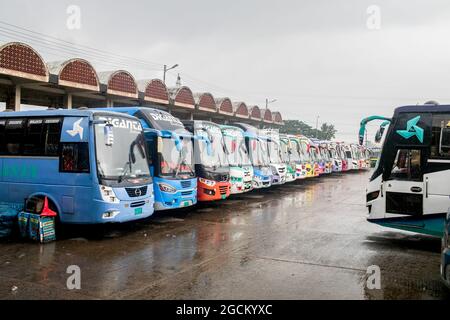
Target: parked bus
{"x":91,"y":165}
{"x":241,"y":169}
{"x":326,"y":156}
{"x":308,"y":160}
{"x":445,"y":261}
{"x":350,"y":157}
{"x":288,"y":158}
{"x":336,"y":157}
{"x":297,"y":157}
{"x":259,"y":156}
{"x":409,"y":188}
{"x":315,"y":159}
{"x":211,"y":163}
{"x":172,"y":161}
{"x":277,"y":165}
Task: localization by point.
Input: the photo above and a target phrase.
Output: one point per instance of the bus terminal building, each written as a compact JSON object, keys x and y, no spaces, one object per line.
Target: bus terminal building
{"x":25,"y":78}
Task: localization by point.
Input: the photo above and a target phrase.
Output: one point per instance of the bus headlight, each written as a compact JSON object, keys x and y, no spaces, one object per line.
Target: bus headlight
{"x":167,"y":188}
{"x":108,"y":194}
{"x":373,"y":195}
{"x":209,"y":183}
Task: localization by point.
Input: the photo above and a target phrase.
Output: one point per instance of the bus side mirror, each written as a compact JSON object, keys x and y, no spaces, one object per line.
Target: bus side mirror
{"x":109,"y":134}
{"x":379,"y":135}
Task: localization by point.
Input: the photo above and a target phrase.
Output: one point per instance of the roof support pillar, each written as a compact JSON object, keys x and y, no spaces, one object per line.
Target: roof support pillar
{"x":68,"y":101}
{"x":15,"y":100}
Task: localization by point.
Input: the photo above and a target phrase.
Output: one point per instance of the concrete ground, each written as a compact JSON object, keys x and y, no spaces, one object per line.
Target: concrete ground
{"x":306,"y":240}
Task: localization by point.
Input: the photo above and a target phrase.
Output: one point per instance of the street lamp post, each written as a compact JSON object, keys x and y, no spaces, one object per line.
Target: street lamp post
{"x":167,"y":69}
{"x":269,"y":102}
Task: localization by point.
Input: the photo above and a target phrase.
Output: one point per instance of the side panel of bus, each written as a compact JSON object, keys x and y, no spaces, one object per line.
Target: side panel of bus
{"x":26,"y":175}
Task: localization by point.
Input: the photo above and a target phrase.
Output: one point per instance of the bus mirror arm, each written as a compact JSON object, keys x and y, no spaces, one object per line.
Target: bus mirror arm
{"x":175,"y":137}
{"x":208,"y":143}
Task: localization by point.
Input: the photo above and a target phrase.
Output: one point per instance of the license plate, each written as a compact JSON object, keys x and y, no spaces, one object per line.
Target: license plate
{"x":186,"y":203}
{"x":224,"y":197}
{"x":137,"y":211}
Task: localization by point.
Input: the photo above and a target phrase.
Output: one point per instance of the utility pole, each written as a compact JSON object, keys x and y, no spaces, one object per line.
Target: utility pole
{"x":168,"y":69}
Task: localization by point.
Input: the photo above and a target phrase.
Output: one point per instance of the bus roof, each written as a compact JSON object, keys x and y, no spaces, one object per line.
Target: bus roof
{"x":422,"y":108}
{"x":58,"y":112}
{"x":232,"y":128}
{"x":154,"y":118}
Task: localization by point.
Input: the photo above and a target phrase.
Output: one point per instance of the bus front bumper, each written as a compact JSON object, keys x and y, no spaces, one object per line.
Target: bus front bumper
{"x":124,"y":211}
{"x":220,"y":191}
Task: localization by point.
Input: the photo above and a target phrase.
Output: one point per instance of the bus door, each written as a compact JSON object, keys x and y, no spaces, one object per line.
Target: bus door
{"x":437,"y":176}
{"x":403,"y":190}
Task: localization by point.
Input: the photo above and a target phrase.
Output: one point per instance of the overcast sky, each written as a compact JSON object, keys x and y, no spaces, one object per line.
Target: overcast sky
{"x":317,"y":58}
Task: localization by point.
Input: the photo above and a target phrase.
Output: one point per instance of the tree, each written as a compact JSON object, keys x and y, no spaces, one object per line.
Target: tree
{"x":326,"y":131}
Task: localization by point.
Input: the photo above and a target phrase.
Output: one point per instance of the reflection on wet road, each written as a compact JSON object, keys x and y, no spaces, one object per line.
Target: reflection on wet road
{"x":307,"y":240}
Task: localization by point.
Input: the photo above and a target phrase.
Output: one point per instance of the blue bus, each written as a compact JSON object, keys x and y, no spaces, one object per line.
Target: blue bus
{"x":91,"y":165}
{"x":259,"y":156}
{"x":171,"y":165}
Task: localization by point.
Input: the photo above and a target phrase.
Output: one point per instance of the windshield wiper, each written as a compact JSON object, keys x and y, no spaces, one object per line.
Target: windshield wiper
{"x":125,"y":169}
{"x":182,"y":161}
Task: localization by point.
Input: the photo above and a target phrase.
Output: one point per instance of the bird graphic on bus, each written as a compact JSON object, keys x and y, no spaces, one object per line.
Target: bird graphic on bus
{"x":412,"y":129}
{"x":77,"y":129}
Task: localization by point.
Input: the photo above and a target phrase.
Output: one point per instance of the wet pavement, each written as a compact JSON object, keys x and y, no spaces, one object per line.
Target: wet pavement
{"x":306,"y":240}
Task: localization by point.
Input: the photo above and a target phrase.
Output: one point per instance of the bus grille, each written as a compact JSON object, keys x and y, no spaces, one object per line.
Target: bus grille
{"x":223,"y":190}
{"x":186,"y":193}
{"x":185,"y":184}
{"x":136,"y":192}
{"x":137,"y":204}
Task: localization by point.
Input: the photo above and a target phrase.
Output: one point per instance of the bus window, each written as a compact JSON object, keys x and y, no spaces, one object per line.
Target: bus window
{"x":35,"y":137}
{"x":440,"y":137}
{"x":75,"y":157}
{"x":33,"y":145}
{"x":2,"y":137}
{"x":407,"y":165}
{"x":14,"y":134}
{"x":52,"y":135}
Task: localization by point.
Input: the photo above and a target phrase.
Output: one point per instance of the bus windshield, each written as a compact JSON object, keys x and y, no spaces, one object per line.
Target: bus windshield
{"x":174,"y":162}
{"x":237,"y":151}
{"x":258,"y":152}
{"x":274,"y":152}
{"x":296,"y":155}
{"x":217,"y":157}
{"x":284,"y":149}
{"x":304,"y":152}
{"x":124,"y":156}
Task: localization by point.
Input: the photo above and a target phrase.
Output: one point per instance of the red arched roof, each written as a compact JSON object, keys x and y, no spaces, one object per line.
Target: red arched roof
{"x":20,"y":60}
{"x":119,"y":83}
{"x":182,"y":97}
{"x":76,"y":73}
{"x":205,"y":102}
{"x":267,"y":115}
{"x":224,"y":106}
{"x":154,"y":91}
{"x":240,"y":110}
{"x":255,"y":113}
{"x":277,"y":117}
